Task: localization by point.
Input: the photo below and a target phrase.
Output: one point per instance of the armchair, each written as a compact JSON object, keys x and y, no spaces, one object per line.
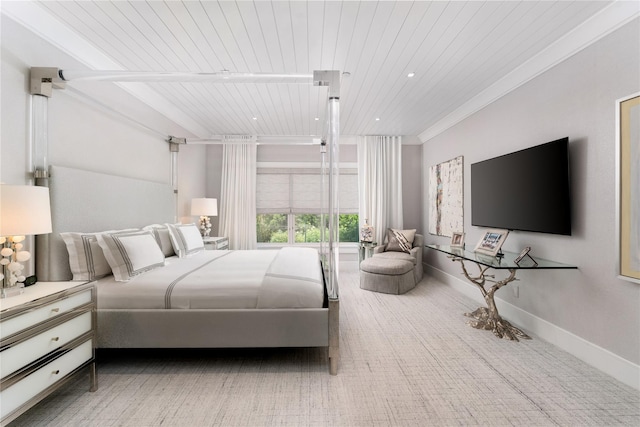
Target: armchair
{"x":415,"y":255}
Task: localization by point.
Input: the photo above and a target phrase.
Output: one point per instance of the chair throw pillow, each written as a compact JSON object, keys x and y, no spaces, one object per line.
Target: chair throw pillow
{"x":400,"y":240}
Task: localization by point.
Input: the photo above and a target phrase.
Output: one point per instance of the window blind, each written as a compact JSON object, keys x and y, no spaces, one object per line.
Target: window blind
{"x":300,"y":190}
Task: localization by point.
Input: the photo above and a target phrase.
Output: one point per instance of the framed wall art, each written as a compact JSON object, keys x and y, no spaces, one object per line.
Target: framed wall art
{"x":446,"y":214}
{"x":628,"y":183}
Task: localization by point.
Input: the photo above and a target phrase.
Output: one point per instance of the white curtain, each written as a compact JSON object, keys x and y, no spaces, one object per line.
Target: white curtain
{"x":238,"y":195}
{"x":380,"y":183}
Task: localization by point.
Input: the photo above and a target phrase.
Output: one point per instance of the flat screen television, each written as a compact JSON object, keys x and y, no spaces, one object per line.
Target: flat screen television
{"x":526,"y":190}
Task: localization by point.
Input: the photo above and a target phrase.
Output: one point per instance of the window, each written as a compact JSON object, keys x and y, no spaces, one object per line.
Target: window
{"x":289,"y":203}
{"x":272,"y":228}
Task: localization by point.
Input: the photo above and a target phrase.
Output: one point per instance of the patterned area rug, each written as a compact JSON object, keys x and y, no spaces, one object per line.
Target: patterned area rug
{"x":406,"y":360}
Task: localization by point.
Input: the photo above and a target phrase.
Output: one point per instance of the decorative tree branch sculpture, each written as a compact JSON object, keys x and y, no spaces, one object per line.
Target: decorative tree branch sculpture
{"x":488,"y":318}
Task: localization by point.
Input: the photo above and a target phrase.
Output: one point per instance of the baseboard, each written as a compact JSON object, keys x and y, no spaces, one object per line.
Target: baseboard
{"x":596,"y":356}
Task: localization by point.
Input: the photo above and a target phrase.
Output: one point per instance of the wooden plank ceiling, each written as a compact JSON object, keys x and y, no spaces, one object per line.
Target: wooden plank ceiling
{"x":455,"y":49}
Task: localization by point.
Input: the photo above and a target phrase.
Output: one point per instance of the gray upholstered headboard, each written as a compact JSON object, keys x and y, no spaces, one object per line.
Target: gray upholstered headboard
{"x":86,"y":201}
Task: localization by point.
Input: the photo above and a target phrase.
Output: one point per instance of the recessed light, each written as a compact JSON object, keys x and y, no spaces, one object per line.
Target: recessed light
{"x":316,"y":118}
{"x":411,"y":74}
{"x":346,"y":74}
{"x":377,"y":119}
{"x":254,"y":118}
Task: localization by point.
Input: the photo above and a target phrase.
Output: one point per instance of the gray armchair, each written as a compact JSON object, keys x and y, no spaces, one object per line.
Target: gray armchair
{"x":415,"y":256}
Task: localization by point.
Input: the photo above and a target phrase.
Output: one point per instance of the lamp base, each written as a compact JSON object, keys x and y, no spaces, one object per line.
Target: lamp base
{"x":205,"y":226}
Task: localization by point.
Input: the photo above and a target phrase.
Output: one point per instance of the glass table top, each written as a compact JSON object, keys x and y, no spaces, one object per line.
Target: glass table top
{"x":504,"y":262}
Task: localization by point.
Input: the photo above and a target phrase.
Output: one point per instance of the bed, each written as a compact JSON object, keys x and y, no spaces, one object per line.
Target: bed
{"x":244,"y":307}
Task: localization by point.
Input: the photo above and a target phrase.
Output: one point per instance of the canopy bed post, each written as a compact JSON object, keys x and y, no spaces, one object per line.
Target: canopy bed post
{"x":42,"y":81}
{"x":331,"y":78}
{"x":174,"y":148}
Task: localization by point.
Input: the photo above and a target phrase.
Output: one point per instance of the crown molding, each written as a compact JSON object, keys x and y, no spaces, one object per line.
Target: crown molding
{"x":598,"y":26}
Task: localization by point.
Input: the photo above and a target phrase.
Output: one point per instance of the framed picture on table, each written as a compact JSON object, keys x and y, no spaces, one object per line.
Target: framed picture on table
{"x":491,"y":242}
{"x":457,"y":240}
{"x":523,"y":254}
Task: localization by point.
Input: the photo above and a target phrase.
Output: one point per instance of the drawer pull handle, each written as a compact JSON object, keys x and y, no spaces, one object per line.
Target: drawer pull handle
{"x":56,"y":372}
{"x":55,"y":338}
{"x":55,"y":310}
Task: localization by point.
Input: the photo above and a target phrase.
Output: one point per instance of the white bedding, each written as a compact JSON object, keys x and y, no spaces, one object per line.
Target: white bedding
{"x":285,"y":278}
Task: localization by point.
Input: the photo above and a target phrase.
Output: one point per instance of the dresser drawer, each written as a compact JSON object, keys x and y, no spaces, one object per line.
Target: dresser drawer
{"x":23,"y":353}
{"x":30,"y":318}
{"x":26,"y":389}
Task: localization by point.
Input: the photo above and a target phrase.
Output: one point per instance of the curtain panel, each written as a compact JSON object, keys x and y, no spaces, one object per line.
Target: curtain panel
{"x":380,"y":183}
{"x":238,"y":195}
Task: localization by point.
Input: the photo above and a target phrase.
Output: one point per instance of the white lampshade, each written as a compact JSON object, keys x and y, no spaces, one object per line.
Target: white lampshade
{"x":204,"y":207}
{"x":24,"y":210}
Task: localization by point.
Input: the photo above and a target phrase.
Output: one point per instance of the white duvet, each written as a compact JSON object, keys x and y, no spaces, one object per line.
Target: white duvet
{"x":285,"y":278}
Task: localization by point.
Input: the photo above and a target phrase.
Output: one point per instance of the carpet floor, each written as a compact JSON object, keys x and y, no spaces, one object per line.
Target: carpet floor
{"x":406,"y":360}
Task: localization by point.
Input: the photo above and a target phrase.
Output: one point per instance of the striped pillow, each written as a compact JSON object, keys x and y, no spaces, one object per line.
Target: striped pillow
{"x":161,"y":233}
{"x":86,"y":258}
{"x":131,"y":253}
{"x":400,"y":240}
{"x":186,"y":239}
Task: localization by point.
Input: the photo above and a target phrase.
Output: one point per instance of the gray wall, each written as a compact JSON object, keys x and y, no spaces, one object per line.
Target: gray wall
{"x":575,"y":99}
{"x":412,"y":187}
{"x":192,"y":170}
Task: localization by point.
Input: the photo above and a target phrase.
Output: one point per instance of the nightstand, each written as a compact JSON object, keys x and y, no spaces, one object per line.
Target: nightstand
{"x":216,"y":243}
{"x":366,"y":249}
{"x":47,"y":336}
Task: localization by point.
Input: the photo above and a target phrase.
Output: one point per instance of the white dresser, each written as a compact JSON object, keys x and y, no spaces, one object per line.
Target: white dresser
{"x":47,"y":335}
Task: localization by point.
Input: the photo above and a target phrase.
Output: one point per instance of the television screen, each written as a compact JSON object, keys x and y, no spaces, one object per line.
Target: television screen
{"x":527,"y":190}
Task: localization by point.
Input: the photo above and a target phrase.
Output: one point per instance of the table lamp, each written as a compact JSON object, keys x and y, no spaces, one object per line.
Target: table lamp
{"x":204,"y":208}
{"x":24,"y":210}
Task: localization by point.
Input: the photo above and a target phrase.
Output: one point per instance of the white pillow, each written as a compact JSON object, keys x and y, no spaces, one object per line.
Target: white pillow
{"x":161,"y":233}
{"x":186,"y":239}
{"x":131,"y":253}
{"x":86,"y":259}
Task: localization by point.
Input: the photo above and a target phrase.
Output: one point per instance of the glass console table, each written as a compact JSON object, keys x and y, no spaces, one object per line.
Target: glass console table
{"x":488,"y":317}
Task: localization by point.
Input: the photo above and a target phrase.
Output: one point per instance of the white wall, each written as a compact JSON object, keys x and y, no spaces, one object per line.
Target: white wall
{"x":192,"y":167}
{"x":85,"y":137}
{"x":574,"y":99}
{"x":81,"y":135}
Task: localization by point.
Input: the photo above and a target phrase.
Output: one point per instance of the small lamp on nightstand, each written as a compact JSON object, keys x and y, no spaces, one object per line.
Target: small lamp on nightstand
{"x":24,"y":210}
{"x":204,"y":208}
